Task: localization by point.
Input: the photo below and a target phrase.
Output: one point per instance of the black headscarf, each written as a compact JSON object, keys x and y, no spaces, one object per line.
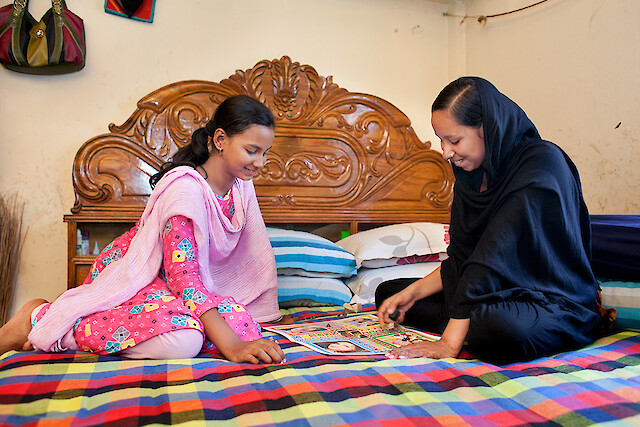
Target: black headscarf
{"x":526,"y":237}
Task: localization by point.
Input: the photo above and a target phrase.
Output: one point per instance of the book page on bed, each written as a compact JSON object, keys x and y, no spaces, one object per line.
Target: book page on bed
{"x":355,"y":335}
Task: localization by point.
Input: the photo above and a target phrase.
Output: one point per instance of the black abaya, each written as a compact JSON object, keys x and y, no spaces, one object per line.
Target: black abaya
{"x":519,"y":258}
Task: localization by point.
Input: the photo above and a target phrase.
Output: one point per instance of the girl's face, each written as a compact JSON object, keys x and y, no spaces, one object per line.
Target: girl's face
{"x":461,"y":145}
{"x":342,"y":346}
{"x":245,"y":153}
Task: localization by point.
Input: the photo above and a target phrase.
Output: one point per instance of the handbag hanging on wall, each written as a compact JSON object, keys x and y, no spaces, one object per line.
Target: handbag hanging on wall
{"x":55,"y":45}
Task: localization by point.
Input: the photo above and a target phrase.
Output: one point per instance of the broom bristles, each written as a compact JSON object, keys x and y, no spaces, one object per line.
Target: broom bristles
{"x":11,"y":211}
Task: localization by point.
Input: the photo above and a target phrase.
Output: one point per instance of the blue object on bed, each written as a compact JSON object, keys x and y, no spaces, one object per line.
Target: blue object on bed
{"x":616,"y":247}
{"x":624,"y":296}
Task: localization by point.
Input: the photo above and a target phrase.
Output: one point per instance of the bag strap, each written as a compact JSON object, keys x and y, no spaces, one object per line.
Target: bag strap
{"x":58,"y":20}
{"x":17,"y":14}
{"x":61,"y":21}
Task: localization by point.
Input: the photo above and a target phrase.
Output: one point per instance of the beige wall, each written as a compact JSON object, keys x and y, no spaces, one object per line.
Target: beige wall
{"x":572,"y":64}
{"x":391,"y":48}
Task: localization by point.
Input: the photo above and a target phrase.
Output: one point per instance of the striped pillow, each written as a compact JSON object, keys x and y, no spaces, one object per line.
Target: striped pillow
{"x":306,"y":254}
{"x":625,"y":298}
{"x":295,"y":291}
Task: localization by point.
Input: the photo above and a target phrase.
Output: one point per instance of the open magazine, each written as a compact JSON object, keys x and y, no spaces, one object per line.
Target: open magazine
{"x":353,"y":335}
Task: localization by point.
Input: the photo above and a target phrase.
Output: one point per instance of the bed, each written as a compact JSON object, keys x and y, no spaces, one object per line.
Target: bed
{"x":348,"y":171}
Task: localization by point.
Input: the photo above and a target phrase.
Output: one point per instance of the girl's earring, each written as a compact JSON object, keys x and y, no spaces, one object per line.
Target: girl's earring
{"x":213,"y":145}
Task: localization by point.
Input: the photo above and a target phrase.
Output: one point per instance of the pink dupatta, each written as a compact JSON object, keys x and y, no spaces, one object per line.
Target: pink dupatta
{"x":235,"y":256}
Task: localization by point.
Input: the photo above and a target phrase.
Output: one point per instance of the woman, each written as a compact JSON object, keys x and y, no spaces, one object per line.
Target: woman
{"x":518,"y":282}
{"x":197,"y":268}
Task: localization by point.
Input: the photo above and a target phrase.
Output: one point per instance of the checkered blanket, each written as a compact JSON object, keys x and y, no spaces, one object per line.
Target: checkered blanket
{"x":596,"y":384}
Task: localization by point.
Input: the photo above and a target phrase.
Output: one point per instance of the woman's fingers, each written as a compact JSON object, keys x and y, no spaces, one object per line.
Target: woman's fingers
{"x":387,"y":308}
{"x":393,"y":308}
{"x":434,"y":350}
{"x":397,"y":316}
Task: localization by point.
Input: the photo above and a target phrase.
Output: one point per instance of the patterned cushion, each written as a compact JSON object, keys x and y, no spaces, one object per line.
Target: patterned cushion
{"x":397,"y":241}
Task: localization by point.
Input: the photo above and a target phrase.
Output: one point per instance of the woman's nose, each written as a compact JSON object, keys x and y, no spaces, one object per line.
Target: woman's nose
{"x":447,"y":151}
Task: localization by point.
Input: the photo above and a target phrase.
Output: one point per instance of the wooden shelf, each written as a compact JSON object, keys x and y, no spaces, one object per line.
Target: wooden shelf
{"x":102,"y":230}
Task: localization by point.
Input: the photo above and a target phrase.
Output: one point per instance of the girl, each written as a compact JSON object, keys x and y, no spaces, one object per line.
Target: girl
{"x":196,"y":269}
{"x":518,"y":282}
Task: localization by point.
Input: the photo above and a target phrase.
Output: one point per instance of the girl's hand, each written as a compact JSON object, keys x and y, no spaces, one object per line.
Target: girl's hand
{"x":233,"y":348}
{"x":254,"y":352}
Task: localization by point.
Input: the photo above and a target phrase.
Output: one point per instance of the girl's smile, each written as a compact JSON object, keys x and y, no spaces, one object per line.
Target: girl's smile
{"x":242,"y":156}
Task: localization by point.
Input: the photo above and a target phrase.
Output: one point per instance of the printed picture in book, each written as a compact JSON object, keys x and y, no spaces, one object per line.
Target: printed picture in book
{"x":355,"y":335}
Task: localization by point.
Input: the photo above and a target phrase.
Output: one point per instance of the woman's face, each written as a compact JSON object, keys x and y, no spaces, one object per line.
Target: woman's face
{"x":245,"y":153}
{"x":461,"y":145}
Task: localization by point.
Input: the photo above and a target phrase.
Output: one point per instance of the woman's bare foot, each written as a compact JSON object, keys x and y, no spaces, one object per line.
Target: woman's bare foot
{"x":13,"y":335}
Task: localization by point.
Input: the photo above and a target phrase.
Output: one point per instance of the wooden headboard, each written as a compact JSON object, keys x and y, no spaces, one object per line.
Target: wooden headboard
{"x":338,"y":156}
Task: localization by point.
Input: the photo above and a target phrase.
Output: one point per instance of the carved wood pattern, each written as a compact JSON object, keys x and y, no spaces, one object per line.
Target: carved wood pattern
{"x":338,"y":156}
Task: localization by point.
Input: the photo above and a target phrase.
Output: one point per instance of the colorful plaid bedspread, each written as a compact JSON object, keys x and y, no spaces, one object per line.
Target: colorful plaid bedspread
{"x":597,"y":384}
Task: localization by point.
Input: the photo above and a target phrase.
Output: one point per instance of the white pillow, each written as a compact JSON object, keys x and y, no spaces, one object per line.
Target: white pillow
{"x":296,"y":291}
{"x":298,"y":250}
{"x":364,"y":284}
{"x":397,"y":241}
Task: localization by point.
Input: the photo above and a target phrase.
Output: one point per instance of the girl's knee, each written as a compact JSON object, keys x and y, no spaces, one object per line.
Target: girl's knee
{"x":180,"y":344}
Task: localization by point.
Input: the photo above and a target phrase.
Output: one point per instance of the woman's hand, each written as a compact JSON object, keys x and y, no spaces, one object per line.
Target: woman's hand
{"x":402,"y":301}
{"x":256,"y":351}
{"x":433,"y":349}
{"x":448,"y":346}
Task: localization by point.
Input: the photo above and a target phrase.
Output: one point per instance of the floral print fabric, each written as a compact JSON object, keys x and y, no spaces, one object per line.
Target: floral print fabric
{"x":174,"y":300}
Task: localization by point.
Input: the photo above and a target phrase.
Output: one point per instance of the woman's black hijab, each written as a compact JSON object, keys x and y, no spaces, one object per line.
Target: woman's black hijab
{"x":506,"y":127}
{"x":527,"y":237}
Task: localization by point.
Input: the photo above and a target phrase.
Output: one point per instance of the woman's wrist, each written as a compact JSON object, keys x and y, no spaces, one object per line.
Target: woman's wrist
{"x":455,"y":334}
{"x":427,"y":286}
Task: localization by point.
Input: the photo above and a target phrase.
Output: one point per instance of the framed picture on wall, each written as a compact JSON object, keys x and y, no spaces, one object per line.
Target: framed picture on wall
{"x":140,"y":10}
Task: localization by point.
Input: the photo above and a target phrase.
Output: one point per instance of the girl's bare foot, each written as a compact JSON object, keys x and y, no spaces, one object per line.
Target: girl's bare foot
{"x":13,"y":335}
